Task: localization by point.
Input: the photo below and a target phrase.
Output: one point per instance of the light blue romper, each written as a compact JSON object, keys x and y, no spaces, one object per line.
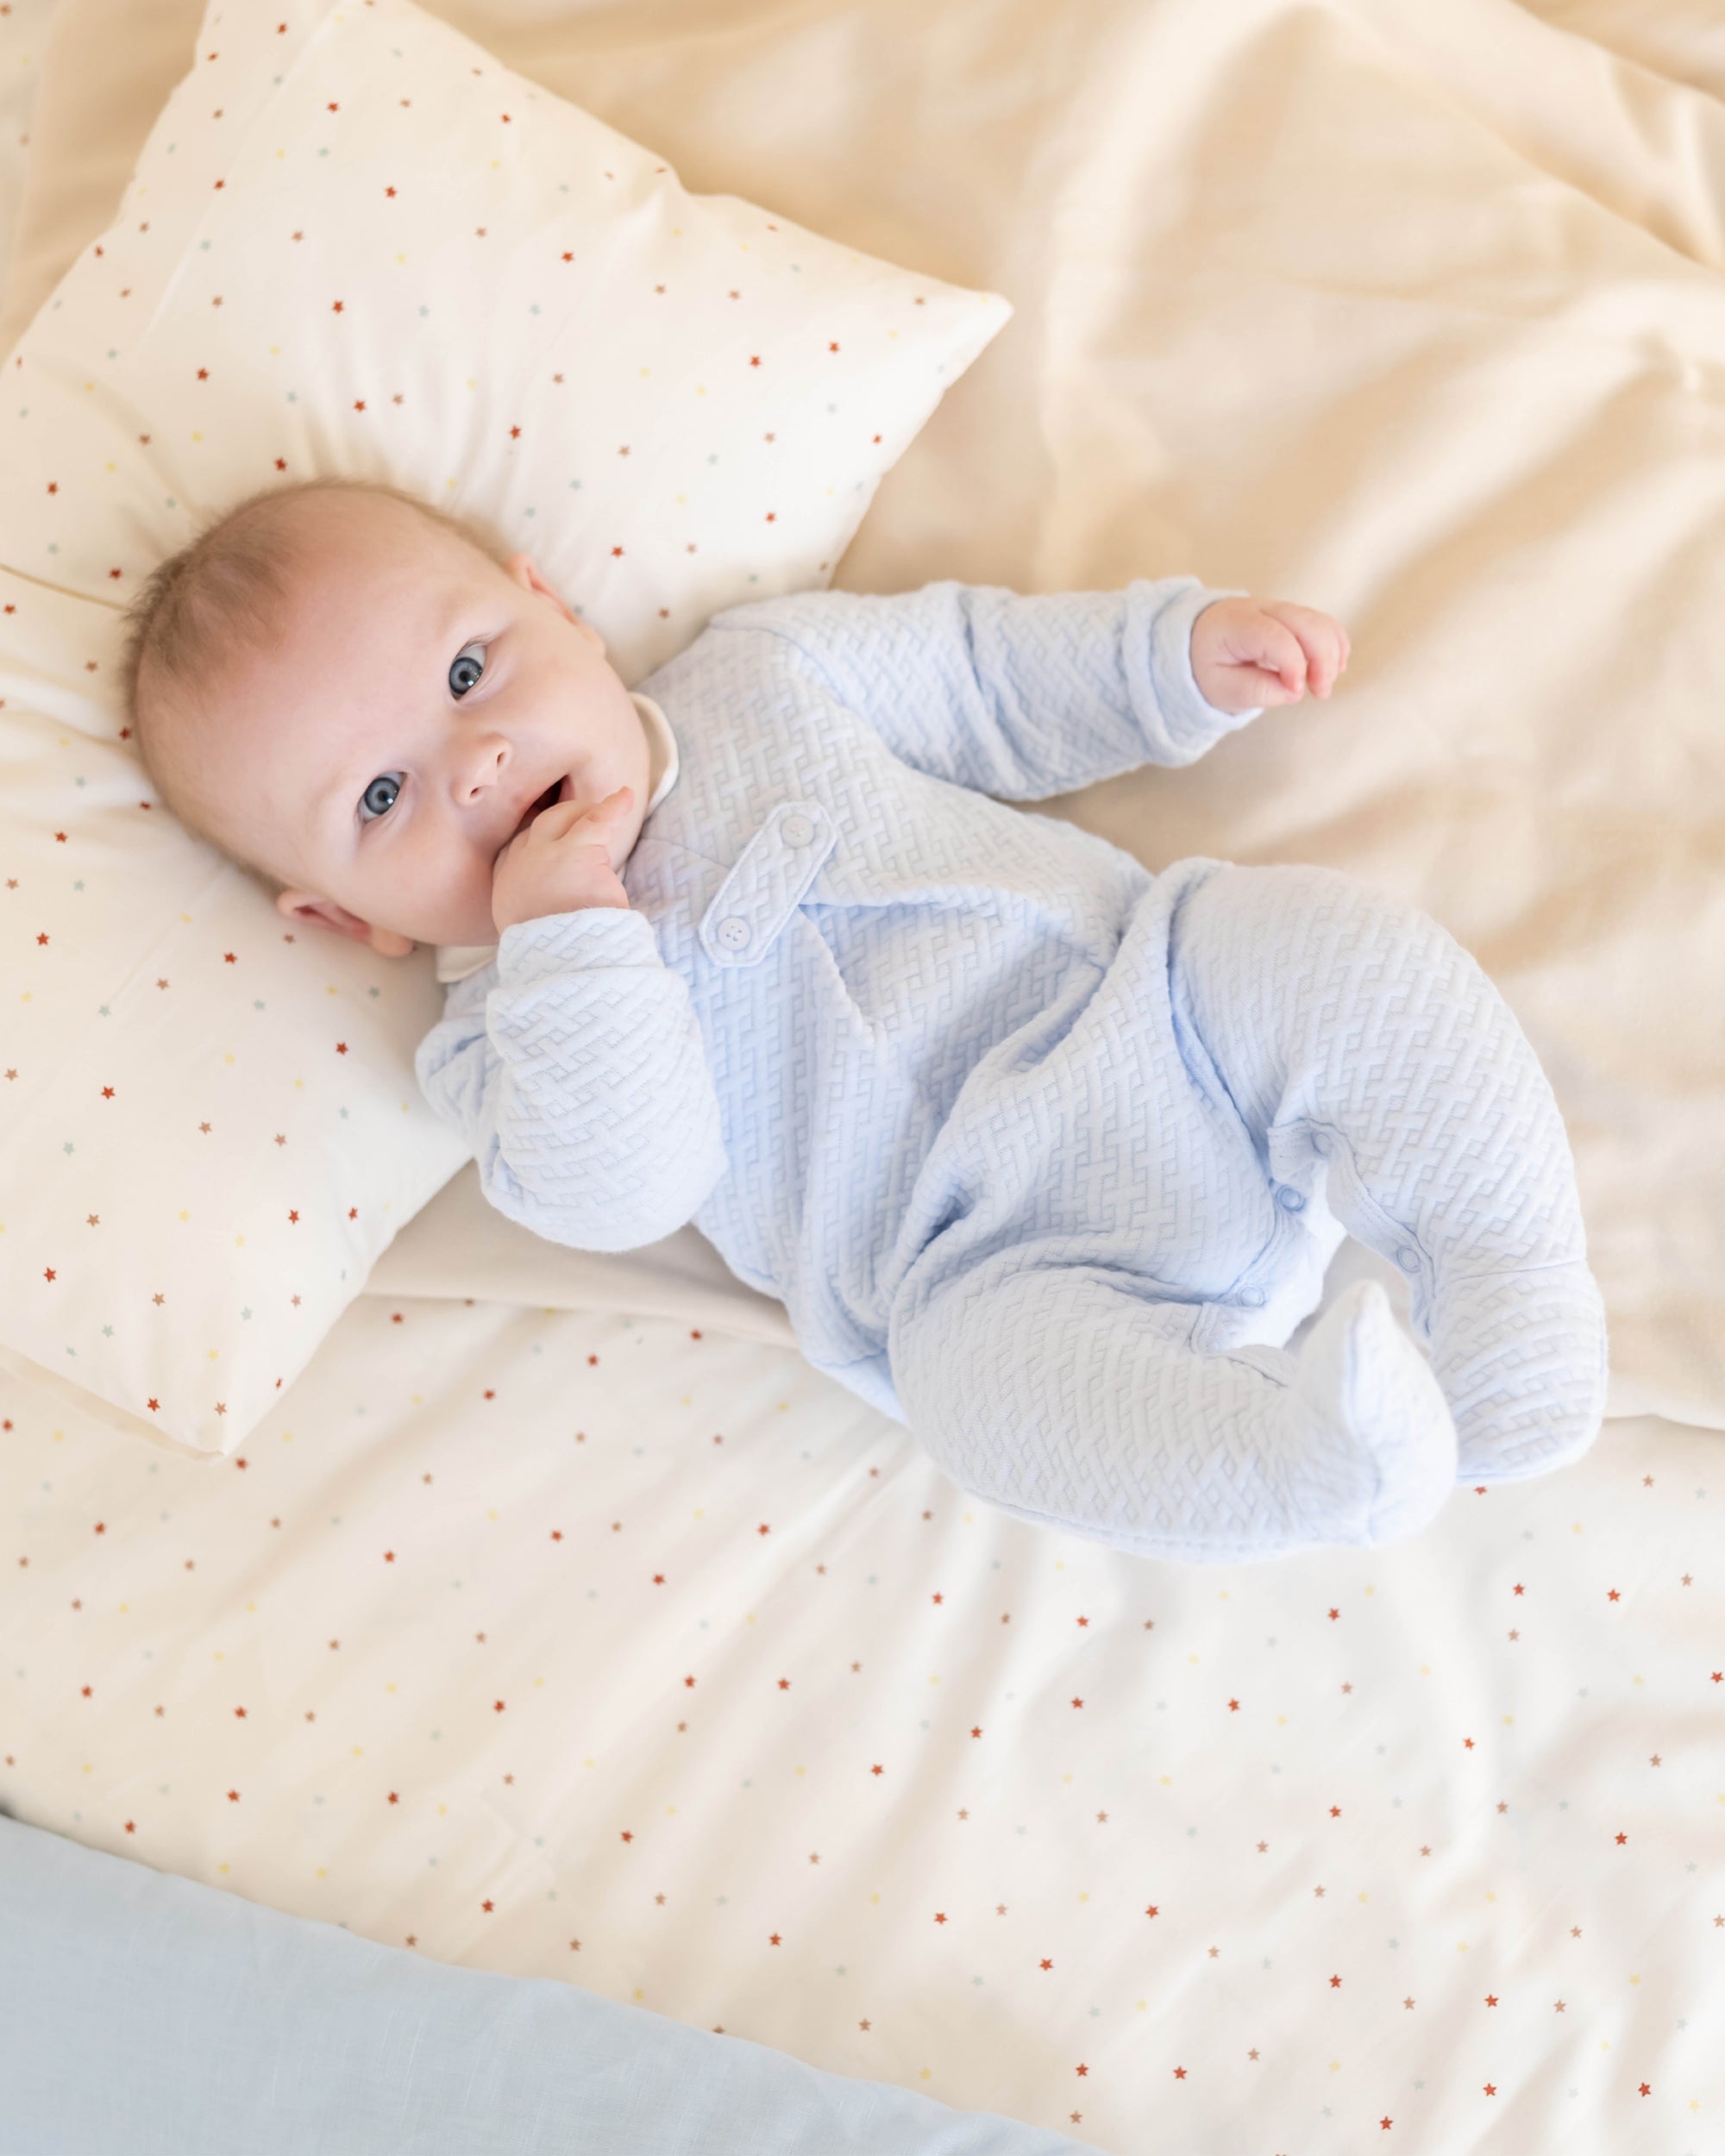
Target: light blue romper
{"x":1038,"y":1148}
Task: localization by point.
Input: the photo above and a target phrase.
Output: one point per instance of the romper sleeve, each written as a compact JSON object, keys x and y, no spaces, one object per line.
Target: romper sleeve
{"x":1016,"y":695}
{"x":574,"y":1068}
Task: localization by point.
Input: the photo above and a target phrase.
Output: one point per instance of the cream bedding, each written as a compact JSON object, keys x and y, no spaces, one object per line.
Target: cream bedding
{"x":1415,"y":314}
{"x":575,"y":1646}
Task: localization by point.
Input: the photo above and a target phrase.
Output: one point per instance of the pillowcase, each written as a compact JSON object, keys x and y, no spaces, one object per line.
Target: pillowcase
{"x":353,"y":244}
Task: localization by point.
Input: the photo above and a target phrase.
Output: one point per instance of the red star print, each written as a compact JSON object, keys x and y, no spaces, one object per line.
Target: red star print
{"x":1152,"y":1910}
{"x":1044,"y":1964}
{"x":1234,"y":1707}
{"x":486,"y":1907}
{"x":626,"y":1835}
{"x":389,"y":192}
{"x":976,"y":1733}
{"x":877,"y":1770}
{"x":1491,"y":2087}
{"x":1077,"y":1702}
{"x":1335,"y":1983}
{"x":107,"y":1093}
{"x":1081,"y":2069}
{"x":338,"y":306}
{"x":1622,"y":1838}
{"x":341,"y":1048}
{"x":1646,"y":2089}
{"x":49,"y":1273}
{"x":784,"y":1685}
{"x":773,"y":1939}
{"x":1612,"y":1596}
{"x":153,"y":1405}
{"x":1179,"y":2074}
{"x":293,"y":1217}
{"x":940,"y":1916}
{"x":1335,"y":1811}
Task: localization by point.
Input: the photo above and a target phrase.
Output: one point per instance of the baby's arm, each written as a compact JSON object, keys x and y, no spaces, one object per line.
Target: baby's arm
{"x":1025,"y":695}
{"x":580,"y":1080}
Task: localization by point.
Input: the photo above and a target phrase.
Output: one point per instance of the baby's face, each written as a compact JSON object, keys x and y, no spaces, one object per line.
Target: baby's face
{"x":423,"y":704}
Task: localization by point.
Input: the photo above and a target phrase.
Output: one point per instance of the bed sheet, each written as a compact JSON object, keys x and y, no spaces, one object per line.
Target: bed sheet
{"x":622,"y":1651}
{"x":23,"y":34}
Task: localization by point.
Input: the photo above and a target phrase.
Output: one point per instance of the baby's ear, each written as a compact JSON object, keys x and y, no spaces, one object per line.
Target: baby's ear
{"x":306,"y":906}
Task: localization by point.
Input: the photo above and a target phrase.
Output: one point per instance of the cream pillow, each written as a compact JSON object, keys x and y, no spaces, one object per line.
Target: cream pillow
{"x":353,"y":244}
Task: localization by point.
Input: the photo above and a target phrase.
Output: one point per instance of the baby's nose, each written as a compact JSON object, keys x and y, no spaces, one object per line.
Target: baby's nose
{"x":482,"y":768}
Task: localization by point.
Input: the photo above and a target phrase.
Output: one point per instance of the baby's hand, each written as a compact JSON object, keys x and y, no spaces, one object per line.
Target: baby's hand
{"x":1247,"y":651}
{"x":560,"y":863}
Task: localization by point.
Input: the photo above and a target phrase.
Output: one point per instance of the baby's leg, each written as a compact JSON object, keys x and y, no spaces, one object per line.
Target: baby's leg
{"x":1358,"y":1040}
{"x":1069,"y":1395}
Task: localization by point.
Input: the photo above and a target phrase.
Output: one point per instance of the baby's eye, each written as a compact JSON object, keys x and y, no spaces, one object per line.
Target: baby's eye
{"x":379,"y":796}
{"x":464,"y":673}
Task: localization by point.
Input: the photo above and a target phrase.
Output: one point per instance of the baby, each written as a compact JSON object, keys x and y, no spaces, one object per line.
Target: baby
{"x":1046,"y":1155}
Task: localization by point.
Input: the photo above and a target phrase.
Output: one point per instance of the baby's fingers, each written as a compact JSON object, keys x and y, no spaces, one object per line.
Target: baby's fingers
{"x":1324,"y":642}
{"x":1272,"y":658}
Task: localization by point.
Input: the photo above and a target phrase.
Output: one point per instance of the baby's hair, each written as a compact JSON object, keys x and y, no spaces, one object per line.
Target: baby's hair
{"x":226,"y":591}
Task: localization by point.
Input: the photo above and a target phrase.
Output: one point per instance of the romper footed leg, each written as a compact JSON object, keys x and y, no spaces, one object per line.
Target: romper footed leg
{"x":1359,"y":1042}
{"x":1067,"y":1395}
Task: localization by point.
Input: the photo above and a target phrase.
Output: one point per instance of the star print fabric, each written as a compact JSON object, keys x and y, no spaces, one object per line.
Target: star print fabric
{"x":582,"y":1648}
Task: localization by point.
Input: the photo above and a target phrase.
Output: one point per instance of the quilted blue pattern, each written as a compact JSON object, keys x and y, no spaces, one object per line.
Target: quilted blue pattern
{"x":1035,"y":1145}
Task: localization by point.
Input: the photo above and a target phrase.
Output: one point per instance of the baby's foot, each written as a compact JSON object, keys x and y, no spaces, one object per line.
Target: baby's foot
{"x":1521,"y":1357}
{"x":1374,"y":1445}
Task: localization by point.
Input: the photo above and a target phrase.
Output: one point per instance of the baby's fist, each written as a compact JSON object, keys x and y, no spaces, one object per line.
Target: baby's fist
{"x":1251,"y":651}
{"x":560,"y":863}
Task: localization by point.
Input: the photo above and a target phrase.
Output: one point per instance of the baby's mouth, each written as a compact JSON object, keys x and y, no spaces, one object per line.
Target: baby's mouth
{"x":557,"y":791}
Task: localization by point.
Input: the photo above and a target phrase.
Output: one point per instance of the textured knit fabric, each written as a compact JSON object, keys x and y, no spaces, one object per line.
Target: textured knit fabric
{"x":1029,"y":1141}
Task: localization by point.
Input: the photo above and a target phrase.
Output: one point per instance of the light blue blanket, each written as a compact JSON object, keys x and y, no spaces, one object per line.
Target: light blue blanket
{"x":144,"y":2015}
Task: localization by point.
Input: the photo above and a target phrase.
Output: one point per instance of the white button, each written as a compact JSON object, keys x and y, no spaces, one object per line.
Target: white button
{"x":1320,"y":1144}
{"x":1408,"y":1260}
{"x":1253,"y":1299}
{"x":796,"y":830}
{"x":1290,"y":1201}
{"x":734,"y":931}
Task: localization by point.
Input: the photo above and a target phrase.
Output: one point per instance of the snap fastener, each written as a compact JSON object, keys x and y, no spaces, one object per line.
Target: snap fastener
{"x":1320,"y":1144}
{"x":734,"y":932}
{"x":1253,"y":1299}
{"x":1290,"y":1201}
{"x":1408,"y":1258}
{"x":796,"y":830}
